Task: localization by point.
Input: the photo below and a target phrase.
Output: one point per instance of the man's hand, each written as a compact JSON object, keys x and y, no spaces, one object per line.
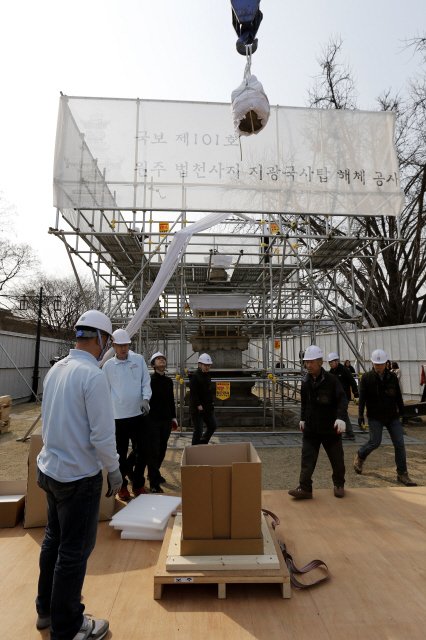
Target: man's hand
{"x":145,"y":407}
{"x":175,"y":425}
{"x":200,"y":407}
{"x":361,"y":421}
{"x":340,"y":426}
{"x":302,"y":426}
{"x":115,"y":482}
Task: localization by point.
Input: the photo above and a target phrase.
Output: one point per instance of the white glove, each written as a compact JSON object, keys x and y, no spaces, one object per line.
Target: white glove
{"x":175,"y":425}
{"x":145,"y":407}
{"x":340,"y":426}
{"x":302,"y":426}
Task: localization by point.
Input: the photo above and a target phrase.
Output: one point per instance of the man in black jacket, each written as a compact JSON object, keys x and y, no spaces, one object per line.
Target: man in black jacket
{"x":379,"y":390}
{"x":347,"y":381}
{"x":322,"y":421}
{"x":162,"y":418}
{"x":201,"y":405}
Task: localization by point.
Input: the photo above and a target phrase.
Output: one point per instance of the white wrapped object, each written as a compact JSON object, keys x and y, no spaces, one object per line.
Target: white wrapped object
{"x":219,"y":261}
{"x":247,"y":98}
{"x":144,"y":534}
{"x":146,"y":511}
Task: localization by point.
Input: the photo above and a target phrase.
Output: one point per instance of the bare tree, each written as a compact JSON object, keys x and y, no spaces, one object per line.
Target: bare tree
{"x":398,"y":292}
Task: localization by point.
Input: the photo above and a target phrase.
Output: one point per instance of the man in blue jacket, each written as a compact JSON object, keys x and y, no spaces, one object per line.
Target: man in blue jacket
{"x":130,"y":384}
{"x":78,"y":438}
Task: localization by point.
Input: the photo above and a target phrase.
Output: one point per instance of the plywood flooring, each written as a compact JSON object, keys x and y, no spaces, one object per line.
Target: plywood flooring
{"x":374,"y":542}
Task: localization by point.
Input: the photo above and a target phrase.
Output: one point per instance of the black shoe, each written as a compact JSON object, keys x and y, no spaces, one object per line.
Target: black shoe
{"x":156,"y":489}
{"x":348,"y":435}
{"x":162,"y":480}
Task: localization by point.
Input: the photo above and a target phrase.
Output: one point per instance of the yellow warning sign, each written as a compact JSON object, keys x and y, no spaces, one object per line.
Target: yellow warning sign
{"x":274,"y":227}
{"x":164,"y":227}
{"x":277,"y":344}
{"x":223,"y":390}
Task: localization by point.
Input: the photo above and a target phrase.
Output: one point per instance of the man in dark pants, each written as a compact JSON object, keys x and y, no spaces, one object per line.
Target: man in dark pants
{"x":201,"y":405}
{"x":323,"y":420}
{"x":162,"y":419}
{"x":347,"y":381}
{"x":130,"y":384}
{"x":78,"y":440}
{"x":379,"y":390}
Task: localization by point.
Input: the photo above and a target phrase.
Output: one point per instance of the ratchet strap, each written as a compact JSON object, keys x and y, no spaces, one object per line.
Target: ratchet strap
{"x":291,"y":565}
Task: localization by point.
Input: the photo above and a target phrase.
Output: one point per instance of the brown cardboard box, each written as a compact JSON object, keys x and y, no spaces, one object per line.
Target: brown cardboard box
{"x":12,"y":511}
{"x":36,"y":503}
{"x":221,"y":496}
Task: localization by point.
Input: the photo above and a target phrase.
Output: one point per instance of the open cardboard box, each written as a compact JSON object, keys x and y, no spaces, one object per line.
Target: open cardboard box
{"x":12,"y":501}
{"x":36,"y":502}
{"x":221,"y":500}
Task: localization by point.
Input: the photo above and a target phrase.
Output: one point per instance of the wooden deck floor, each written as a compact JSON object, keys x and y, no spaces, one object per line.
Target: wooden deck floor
{"x":374,"y":542}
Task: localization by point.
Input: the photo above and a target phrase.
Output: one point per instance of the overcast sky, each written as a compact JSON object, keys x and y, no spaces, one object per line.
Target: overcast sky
{"x":165,"y":49}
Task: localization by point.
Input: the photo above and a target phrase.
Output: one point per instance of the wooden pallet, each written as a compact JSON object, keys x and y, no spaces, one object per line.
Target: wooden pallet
{"x":220,"y":577}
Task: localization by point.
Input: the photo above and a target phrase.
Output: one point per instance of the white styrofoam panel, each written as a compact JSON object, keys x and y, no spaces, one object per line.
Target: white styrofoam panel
{"x":147,"y":511}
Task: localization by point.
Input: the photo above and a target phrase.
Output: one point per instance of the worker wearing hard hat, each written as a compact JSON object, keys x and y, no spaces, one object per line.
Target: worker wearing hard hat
{"x":162,"y":417}
{"x":129,"y":381}
{"x":322,"y":421}
{"x":347,"y":381}
{"x":379,"y":391}
{"x":201,"y":405}
{"x":78,"y":440}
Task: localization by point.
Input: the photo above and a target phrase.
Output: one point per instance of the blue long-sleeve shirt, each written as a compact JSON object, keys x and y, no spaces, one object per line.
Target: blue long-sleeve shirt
{"x":78,"y":424}
{"x":130,"y":383}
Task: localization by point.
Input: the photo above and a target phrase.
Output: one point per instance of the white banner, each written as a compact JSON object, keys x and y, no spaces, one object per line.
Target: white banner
{"x":162,"y":155}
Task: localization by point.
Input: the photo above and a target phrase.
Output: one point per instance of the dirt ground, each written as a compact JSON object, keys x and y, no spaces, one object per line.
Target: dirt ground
{"x":280,"y":466}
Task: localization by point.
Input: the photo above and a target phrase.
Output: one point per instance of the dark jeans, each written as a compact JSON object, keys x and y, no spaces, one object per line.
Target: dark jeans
{"x":160,"y":433}
{"x":332,"y":444}
{"x":137,"y":430}
{"x":395,"y":431}
{"x":198,"y":421}
{"x":72,"y":524}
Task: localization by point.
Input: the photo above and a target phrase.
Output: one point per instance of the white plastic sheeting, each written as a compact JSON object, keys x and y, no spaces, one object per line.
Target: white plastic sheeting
{"x":218,"y":301}
{"x":249,"y":96}
{"x":114,"y":154}
{"x":219,"y":261}
{"x":145,"y":518}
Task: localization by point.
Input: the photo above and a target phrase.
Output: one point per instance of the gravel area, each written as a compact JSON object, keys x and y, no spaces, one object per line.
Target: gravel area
{"x":280,"y":466}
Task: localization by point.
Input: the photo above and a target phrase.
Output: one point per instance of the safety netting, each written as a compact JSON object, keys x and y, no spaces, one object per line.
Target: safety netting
{"x":115,"y":154}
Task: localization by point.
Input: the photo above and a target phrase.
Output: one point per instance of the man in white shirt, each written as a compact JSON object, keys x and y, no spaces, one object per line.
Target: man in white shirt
{"x":130,"y":384}
{"x":78,"y":438}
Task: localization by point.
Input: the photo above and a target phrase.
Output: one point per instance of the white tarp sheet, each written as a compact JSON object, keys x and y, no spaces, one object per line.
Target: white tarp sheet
{"x":218,"y":301}
{"x":165,"y":155}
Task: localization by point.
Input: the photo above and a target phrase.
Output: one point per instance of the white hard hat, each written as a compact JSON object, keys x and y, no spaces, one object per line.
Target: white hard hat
{"x":120,"y":336}
{"x":313,"y":353}
{"x":333,"y":356}
{"x":379,"y":357}
{"x":94,"y":319}
{"x":205,"y":359}
{"x":157,"y":354}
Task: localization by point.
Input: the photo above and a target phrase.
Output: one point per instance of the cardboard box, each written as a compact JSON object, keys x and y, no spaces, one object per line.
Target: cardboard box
{"x":12,"y":502}
{"x":36,"y":502}
{"x":221,"y":497}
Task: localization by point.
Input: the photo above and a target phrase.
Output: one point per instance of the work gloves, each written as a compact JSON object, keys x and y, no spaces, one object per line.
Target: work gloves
{"x":302,"y":426}
{"x":175,"y":425}
{"x":361,"y":421}
{"x":340,"y":426}
{"x":115,"y":481}
{"x":145,"y":407}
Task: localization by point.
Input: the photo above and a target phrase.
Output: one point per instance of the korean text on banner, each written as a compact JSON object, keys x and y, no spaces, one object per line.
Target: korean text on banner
{"x":223,"y":390}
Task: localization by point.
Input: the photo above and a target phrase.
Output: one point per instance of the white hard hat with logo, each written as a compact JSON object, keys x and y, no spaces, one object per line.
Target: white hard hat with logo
{"x":333,"y":356}
{"x":158,"y":354}
{"x":379,"y":357}
{"x":120,"y":336}
{"x":205,"y":359}
{"x":313,"y":353}
{"x":94,"y":319}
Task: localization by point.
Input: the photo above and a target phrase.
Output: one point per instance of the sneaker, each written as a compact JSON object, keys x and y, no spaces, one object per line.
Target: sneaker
{"x":405,"y":479}
{"x":358,"y":464}
{"x":162,"y":480}
{"x":43,"y":621}
{"x":339,"y":492}
{"x":92,"y":629}
{"x":299,"y":494}
{"x":139,"y":492}
{"x":156,"y":489}
{"x":124,"y":494}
